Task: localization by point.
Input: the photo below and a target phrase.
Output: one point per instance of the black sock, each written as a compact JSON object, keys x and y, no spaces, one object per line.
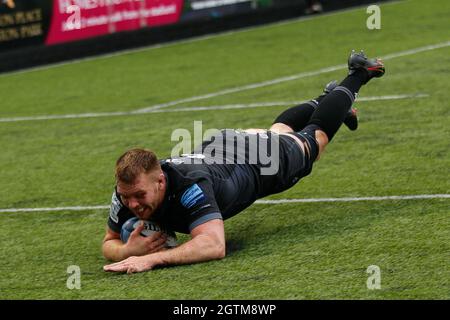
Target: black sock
{"x":355,"y":81}
{"x":333,"y":108}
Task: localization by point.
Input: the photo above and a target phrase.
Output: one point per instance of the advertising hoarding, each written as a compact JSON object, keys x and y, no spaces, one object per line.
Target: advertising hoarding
{"x":39,"y":22}
{"x":23,"y":22}
{"x":79,"y":19}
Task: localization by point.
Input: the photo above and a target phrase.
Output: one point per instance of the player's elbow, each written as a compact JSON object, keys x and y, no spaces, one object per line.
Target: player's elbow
{"x":220,"y":251}
{"x":219,"y":247}
{"x":107,"y":251}
{"x":216,"y":249}
{"x":112,"y":250}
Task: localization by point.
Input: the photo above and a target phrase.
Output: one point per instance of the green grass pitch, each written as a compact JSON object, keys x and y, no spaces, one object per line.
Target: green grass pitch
{"x":278,"y":251}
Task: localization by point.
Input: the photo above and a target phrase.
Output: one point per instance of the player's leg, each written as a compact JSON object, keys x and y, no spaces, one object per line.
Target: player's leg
{"x":297,"y":117}
{"x":332,"y":110}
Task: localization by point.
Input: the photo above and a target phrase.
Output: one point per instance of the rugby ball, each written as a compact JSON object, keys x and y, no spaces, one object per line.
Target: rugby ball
{"x":149,"y":228}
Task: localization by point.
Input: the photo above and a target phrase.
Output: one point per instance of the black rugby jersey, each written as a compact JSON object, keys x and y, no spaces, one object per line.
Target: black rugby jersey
{"x":218,"y":180}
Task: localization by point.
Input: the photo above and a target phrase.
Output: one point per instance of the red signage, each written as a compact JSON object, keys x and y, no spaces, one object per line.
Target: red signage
{"x":79,"y":19}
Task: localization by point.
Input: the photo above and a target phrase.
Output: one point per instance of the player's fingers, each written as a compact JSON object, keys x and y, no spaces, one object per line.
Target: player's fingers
{"x":112,"y":265}
{"x":138,"y":267}
{"x":135,"y":269}
{"x":155,"y":236}
{"x":156,"y":243}
{"x":116,"y":268}
{"x":138,"y":229}
{"x":154,"y":247}
{"x":108,"y":268}
{"x":159,"y":239}
{"x":119,"y":262}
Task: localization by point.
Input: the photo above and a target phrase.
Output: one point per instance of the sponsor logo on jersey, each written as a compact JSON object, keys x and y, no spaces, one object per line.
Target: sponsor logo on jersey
{"x":192,"y":196}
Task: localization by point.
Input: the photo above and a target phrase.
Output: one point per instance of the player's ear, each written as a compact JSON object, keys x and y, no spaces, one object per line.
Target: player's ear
{"x":161,"y":179}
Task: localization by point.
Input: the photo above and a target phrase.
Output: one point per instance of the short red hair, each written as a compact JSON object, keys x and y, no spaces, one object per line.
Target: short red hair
{"x":134,"y":162}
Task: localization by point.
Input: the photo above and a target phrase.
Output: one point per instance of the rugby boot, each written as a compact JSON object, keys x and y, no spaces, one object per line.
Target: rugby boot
{"x":358,"y":60}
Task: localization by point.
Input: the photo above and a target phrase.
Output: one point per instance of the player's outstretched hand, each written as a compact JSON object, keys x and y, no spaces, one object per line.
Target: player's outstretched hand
{"x":131,"y":265}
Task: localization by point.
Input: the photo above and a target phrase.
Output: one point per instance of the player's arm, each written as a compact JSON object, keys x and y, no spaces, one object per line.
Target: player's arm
{"x":207,"y":243}
{"x":115,"y":250}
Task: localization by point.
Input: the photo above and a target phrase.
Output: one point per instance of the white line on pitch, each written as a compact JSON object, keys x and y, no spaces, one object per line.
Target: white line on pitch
{"x":197,"y":108}
{"x":352,"y":199}
{"x":286,"y":103}
{"x":75,"y":208}
{"x":289,"y":78}
{"x":276,"y":201}
{"x":244,"y":88}
{"x":220,"y":93}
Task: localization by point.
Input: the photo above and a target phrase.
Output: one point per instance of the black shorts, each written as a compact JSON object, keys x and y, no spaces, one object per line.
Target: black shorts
{"x":294,"y":164}
{"x":260,"y":164}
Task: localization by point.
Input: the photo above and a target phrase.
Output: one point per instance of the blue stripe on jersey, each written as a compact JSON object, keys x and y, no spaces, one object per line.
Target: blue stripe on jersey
{"x":192,"y":196}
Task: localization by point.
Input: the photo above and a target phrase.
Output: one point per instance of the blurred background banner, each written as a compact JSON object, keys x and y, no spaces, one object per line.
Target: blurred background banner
{"x":80,"y":19}
{"x":36,"y":32}
{"x":31,"y":22}
{"x":201,"y":9}
{"x":23,"y":22}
